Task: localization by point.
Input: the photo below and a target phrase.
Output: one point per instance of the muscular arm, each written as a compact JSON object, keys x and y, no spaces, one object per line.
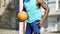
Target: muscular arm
{"x":45,"y":6}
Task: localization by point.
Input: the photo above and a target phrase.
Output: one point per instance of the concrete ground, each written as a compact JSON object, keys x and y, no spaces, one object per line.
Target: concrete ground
{"x":49,"y":33}
{"x":6,"y":31}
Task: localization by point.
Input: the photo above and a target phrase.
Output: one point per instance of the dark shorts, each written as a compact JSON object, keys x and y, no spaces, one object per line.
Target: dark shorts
{"x":32,"y":27}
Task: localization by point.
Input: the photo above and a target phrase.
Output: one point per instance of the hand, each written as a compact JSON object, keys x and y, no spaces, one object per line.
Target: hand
{"x":41,"y":23}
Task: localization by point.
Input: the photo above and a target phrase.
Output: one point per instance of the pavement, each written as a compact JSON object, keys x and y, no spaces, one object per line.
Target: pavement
{"x":49,"y":33}
{"x":7,"y":31}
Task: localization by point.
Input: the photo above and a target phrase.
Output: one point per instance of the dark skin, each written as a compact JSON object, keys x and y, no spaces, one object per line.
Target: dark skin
{"x":46,"y":8}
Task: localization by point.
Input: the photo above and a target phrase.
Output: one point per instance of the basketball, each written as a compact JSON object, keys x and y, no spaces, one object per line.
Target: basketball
{"x":22,"y":16}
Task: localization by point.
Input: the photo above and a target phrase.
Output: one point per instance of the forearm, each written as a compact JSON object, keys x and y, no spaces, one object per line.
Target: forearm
{"x":45,"y":15}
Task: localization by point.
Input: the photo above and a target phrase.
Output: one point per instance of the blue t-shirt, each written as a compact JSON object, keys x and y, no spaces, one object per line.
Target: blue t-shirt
{"x":34,"y":12}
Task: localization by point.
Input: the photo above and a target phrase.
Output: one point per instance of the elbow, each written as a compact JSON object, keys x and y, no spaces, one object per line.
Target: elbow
{"x":48,"y":9}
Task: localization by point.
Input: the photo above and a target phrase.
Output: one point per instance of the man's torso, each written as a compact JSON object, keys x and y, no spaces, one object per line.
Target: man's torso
{"x":34,"y":12}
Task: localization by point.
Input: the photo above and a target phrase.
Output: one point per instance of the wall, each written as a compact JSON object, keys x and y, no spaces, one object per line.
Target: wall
{"x":8,"y":15}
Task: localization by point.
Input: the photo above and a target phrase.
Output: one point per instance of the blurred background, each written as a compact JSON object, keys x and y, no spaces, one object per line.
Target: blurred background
{"x":9,"y":23}
{"x":8,"y":16}
{"x":52,"y":23}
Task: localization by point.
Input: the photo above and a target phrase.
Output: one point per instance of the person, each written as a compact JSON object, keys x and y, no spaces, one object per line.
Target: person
{"x":35,"y":20}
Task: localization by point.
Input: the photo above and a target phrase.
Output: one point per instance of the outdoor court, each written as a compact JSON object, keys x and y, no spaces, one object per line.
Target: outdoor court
{"x":6,"y":31}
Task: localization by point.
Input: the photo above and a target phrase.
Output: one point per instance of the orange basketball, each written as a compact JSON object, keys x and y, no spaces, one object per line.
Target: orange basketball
{"x":22,"y":16}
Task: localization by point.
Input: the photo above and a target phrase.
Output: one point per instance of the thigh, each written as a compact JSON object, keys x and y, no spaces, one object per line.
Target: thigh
{"x":28,"y":29}
{"x":36,"y":28}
